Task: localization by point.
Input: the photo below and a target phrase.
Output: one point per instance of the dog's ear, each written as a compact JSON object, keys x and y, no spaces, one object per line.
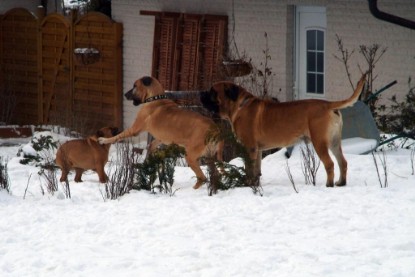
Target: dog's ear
{"x":146,"y":81}
{"x":99,"y":134}
{"x":209,"y":97}
{"x":209,"y":100}
{"x":114,"y":131}
{"x":232,"y":92}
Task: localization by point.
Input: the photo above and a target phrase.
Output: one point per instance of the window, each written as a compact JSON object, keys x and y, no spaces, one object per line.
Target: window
{"x":188,"y":49}
{"x":315,"y":61}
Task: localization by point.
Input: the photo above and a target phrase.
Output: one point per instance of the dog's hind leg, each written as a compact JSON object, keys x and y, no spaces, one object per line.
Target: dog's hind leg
{"x":64,"y":176}
{"x":194,"y":165}
{"x":103,"y":178}
{"x":322,"y":151}
{"x":78,"y":174}
{"x":336,"y":149}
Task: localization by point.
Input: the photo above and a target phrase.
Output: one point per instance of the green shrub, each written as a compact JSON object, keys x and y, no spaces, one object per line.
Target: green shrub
{"x":159,"y":164}
{"x":43,"y":147}
{"x":398,"y":118}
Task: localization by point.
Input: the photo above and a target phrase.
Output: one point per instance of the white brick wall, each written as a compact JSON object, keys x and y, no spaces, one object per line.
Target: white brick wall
{"x":30,"y":5}
{"x":351,"y":20}
{"x":253,"y":19}
{"x":6,"y":5}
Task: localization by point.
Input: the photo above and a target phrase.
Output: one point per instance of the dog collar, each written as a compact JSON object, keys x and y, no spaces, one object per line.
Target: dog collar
{"x":244,"y":102}
{"x":157,"y":97}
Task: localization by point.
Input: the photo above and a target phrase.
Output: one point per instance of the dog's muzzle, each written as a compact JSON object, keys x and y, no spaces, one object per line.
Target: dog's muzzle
{"x":130,"y":96}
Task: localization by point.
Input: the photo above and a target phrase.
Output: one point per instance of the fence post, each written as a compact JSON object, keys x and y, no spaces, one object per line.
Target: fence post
{"x":40,"y":12}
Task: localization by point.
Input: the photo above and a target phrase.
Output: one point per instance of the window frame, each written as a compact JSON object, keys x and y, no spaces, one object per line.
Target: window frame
{"x":316,"y":72}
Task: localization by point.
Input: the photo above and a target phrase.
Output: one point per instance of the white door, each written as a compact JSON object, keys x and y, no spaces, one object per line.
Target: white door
{"x":310,"y":52}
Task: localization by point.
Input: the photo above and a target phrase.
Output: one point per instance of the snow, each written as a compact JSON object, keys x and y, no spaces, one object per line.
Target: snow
{"x":357,"y":230}
{"x":86,"y":51}
{"x":358,"y":145}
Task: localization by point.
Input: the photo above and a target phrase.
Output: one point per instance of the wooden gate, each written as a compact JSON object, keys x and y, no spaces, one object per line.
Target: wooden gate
{"x":19,"y":67}
{"x":55,"y":71}
{"x":97,"y":92}
{"x":51,"y":86}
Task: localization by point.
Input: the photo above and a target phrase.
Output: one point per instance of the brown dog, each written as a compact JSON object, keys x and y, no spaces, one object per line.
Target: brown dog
{"x":84,"y":154}
{"x":168,"y":123}
{"x":264,"y":124}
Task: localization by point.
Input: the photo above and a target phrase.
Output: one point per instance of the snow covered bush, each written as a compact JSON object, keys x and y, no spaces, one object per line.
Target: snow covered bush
{"x":398,"y":118}
{"x":4,"y":176}
{"x":50,"y":180}
{"x":121,"y":178}
{"x":310,"y":165}
{"x":159,"y":164}
{"x":232,"y":175}
{"x":40,"y":151}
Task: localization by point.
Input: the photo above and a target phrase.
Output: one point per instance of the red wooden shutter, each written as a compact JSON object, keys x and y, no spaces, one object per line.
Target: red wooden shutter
{"x":164,"y":54}
{"x":188,"y":49}
{"x":189,"y":62}
{"x":214,"y":38}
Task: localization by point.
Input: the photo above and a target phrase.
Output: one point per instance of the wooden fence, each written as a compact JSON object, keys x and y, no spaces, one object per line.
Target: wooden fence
{"x":44,"y":81}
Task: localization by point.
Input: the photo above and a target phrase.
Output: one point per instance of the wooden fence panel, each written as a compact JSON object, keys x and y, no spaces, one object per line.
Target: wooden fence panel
{"x":39,"y":68}
{"x":55,"y":56}
{"x":19,"y":65}
{"x":97,"y":92}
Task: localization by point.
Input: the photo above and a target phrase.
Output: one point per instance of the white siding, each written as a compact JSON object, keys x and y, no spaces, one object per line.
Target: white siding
{"x":6,"y":5}
{"x":350,"y":19}
{"x":30,"y":5}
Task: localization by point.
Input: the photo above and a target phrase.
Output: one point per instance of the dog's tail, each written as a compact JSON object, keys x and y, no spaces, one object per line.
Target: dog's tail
{"x":350,"y":101}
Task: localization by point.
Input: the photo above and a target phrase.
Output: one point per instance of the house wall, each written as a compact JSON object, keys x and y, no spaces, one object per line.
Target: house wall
{"x":351,"y":20}
{"x":6,"y":5}
{"x":252,"y":20}
{"x":30,"y":5}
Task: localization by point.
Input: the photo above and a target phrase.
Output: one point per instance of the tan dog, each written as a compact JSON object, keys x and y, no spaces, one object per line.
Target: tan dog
{"x":168,"y":123}
{"x":265,"y":124}
{"x":84,"y":154}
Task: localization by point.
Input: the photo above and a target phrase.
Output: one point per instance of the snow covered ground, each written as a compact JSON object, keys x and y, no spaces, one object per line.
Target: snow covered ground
{"x":357,"y":230}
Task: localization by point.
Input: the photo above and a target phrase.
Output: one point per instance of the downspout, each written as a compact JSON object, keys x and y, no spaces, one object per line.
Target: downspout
{"x":373,"y":7}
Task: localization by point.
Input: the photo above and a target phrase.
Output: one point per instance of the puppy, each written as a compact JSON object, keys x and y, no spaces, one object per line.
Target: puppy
{"x":264,"y":124}
{"x":168,"y":123}
{"x":84,"y":154}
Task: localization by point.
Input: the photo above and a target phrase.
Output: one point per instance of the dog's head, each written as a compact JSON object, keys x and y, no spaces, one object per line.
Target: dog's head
{"x":222,"y":98}
{"x":107,"y":132}
{"x":144,"y":88}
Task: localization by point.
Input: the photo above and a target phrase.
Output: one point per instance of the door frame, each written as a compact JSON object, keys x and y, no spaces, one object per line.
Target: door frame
{"x":297,"y":55}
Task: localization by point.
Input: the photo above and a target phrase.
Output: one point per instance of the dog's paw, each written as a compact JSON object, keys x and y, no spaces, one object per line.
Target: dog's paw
{"x":102,"y":140}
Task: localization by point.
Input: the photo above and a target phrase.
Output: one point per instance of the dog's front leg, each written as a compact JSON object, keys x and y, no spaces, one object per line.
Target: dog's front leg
{"x":125,"y":134}
{"x":130,"y":132}
{"x":253,"y":166}
{"x":257,"y":168}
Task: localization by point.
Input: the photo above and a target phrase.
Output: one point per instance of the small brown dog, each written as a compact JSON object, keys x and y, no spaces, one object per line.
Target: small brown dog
{"x":168,"y":123}
{"x":84,"y":154}
{"x":264,"y":124}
